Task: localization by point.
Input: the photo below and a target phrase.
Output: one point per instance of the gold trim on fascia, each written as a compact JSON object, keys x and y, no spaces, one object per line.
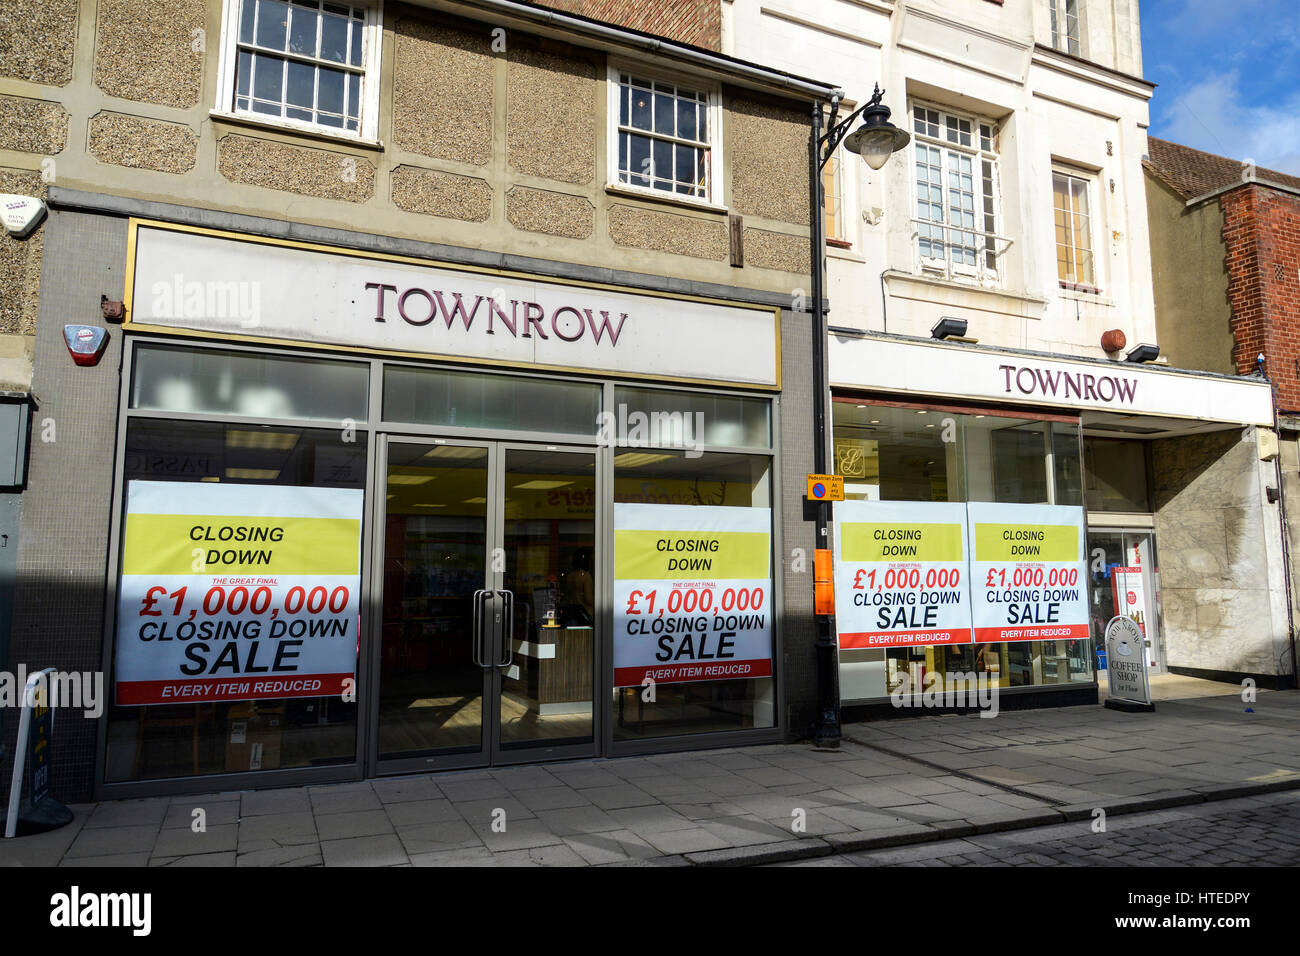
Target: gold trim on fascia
{"x":134,"y":224}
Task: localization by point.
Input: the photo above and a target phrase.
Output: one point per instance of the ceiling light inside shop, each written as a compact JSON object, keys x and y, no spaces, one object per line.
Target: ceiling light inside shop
{"x":210,"y":478}
{"x":454,"y":451}
{"x":422,"y":505}
{"x":539,"y":485}
{"x":634,"y":459}
{"x":242,"y":438}
{"x":410,"y":479}
{"x":254,"y":474}
{"x":475,"y":501}
{"x":922,"y":412}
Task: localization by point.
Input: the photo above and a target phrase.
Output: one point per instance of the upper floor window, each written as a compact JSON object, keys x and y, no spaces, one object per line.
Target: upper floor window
{"x":1065,"y":25}
{"x":305,"y":63}
{"x":833,"y":196}
{"x":956,"y":193}
{"x":1072,"y":212}
{"x":666,"y":136}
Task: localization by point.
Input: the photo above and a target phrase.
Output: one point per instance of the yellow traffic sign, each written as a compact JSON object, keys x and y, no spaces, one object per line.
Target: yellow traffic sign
{"x":825,"y":487}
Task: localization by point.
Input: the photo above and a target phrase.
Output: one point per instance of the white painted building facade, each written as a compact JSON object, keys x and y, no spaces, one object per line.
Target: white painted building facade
{"x":1019,"y":206}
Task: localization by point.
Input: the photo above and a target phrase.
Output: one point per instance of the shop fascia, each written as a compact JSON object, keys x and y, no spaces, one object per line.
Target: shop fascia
{"x":927,"y":369}
{"x":313,"y":295}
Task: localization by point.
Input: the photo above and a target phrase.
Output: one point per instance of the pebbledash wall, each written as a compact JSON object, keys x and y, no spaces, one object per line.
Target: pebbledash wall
{"x":487,"y":147}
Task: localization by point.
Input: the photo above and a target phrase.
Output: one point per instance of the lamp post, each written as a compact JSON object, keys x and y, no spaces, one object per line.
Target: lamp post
{"x":875,"y":141}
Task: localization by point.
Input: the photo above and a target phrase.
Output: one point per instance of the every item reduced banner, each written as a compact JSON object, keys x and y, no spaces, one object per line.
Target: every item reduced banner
{"x":1028,"y":572}
{"x":692,"y":593}
{"x":237,"y":592}
{"x":901,"y":574}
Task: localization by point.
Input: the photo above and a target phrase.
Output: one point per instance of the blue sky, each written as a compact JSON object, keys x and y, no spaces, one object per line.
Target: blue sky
{"x":1228,"y":75}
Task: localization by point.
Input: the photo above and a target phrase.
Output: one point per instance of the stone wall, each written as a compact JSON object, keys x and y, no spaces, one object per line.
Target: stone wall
{"x":1214,"y":550}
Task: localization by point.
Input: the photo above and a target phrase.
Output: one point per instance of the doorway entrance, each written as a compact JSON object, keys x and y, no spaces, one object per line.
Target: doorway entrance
{"x":1126,"y":580}
{"x":486,"y":559}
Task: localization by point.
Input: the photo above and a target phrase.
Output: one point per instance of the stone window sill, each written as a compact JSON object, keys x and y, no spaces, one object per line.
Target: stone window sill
{"x":654,"y":195}
{"x":255,"y":122}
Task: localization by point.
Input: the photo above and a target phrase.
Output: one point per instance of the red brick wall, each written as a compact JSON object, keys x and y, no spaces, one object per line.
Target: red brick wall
{"x":1261,"y":230}
{"x":697,"y":22}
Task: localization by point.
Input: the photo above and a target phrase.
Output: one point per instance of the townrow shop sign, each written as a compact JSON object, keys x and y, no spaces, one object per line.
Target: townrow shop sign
{"x":919,"y":573}
{"x":931,"y":369}
{"x":240,"y":287}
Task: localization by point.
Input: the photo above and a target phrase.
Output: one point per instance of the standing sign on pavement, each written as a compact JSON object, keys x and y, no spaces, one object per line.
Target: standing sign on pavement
{"x":1127,"y":684}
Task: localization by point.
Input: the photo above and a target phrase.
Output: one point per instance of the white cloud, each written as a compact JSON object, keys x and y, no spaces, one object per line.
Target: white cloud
{"x":1211,"y":115}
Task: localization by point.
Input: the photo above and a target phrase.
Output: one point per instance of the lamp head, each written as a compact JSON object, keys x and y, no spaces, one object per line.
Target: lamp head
{"x":877,"y":138}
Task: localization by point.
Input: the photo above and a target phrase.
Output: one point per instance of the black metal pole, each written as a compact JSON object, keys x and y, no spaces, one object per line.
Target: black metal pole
{"x":826,"y":732}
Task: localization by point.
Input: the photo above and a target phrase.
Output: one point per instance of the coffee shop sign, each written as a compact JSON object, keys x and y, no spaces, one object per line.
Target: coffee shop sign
{"x":418,"y":306}
{"x":1029,"y":380}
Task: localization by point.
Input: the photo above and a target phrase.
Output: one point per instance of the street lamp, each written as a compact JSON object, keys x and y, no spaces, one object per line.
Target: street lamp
{"x":875,"y":141}
{"x":877,"y":138}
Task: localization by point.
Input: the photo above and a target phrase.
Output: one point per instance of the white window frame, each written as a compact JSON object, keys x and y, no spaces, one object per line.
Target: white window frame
{"x":988,"y":241}
{"x":372,"y":43}
{"x":713,"y":112}
{"x":1089,"y":181}
{"x":1058,"y":16}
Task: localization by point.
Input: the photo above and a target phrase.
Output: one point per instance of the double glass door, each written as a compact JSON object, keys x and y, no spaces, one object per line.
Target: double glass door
{"x":488,"y":645}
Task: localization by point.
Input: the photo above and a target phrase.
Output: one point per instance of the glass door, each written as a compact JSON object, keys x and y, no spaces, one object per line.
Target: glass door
{"x":487,"y":643}
{"x":1126,"y":580}
{"x":433,"y":677}
{"x":547,"y":669}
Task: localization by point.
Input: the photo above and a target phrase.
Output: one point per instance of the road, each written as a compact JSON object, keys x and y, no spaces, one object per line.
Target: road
{"x":1249,"y":831}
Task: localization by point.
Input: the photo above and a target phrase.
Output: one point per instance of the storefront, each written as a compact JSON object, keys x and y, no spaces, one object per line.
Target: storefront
{"x":376,"y":514}
{"x":1115,"y":460}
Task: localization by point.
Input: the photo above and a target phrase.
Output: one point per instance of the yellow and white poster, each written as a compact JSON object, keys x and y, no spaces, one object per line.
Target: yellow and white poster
{"x":692,"y":593}
{"x":237,"y":592}
{"x":1028,"y":572}
{"x":901,"y":574}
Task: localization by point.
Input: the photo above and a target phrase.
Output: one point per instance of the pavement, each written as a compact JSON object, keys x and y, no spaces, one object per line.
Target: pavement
{"x":894,"y":782}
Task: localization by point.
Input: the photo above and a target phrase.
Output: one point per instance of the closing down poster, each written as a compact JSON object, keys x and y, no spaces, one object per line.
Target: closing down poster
{"x":692,"y":593}
{"x":237,"y":592}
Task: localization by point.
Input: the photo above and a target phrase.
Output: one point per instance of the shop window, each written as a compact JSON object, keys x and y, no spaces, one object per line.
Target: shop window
{"x":303,"y":63}
{"x":696,"y":706}
{"x":890,"y":453}
{"x":1067,"y":464}
{"x":254,"y":385}
{"x":676,"y":419}
{"x":216,"y":734}
{"x":955,"y":182}
{"x":898,"y":454}
{"x":665,"y":136}
{"x":428,"y":396}
{"x":1116,"y":475}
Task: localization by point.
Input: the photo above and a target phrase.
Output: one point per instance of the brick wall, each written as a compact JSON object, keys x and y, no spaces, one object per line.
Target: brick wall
{"x":1261,"y":232}
{"x":697,"y":22}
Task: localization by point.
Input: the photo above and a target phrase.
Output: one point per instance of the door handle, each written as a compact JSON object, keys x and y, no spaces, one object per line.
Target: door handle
{"x":476,"y":645}
{"x":508,"y":628}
